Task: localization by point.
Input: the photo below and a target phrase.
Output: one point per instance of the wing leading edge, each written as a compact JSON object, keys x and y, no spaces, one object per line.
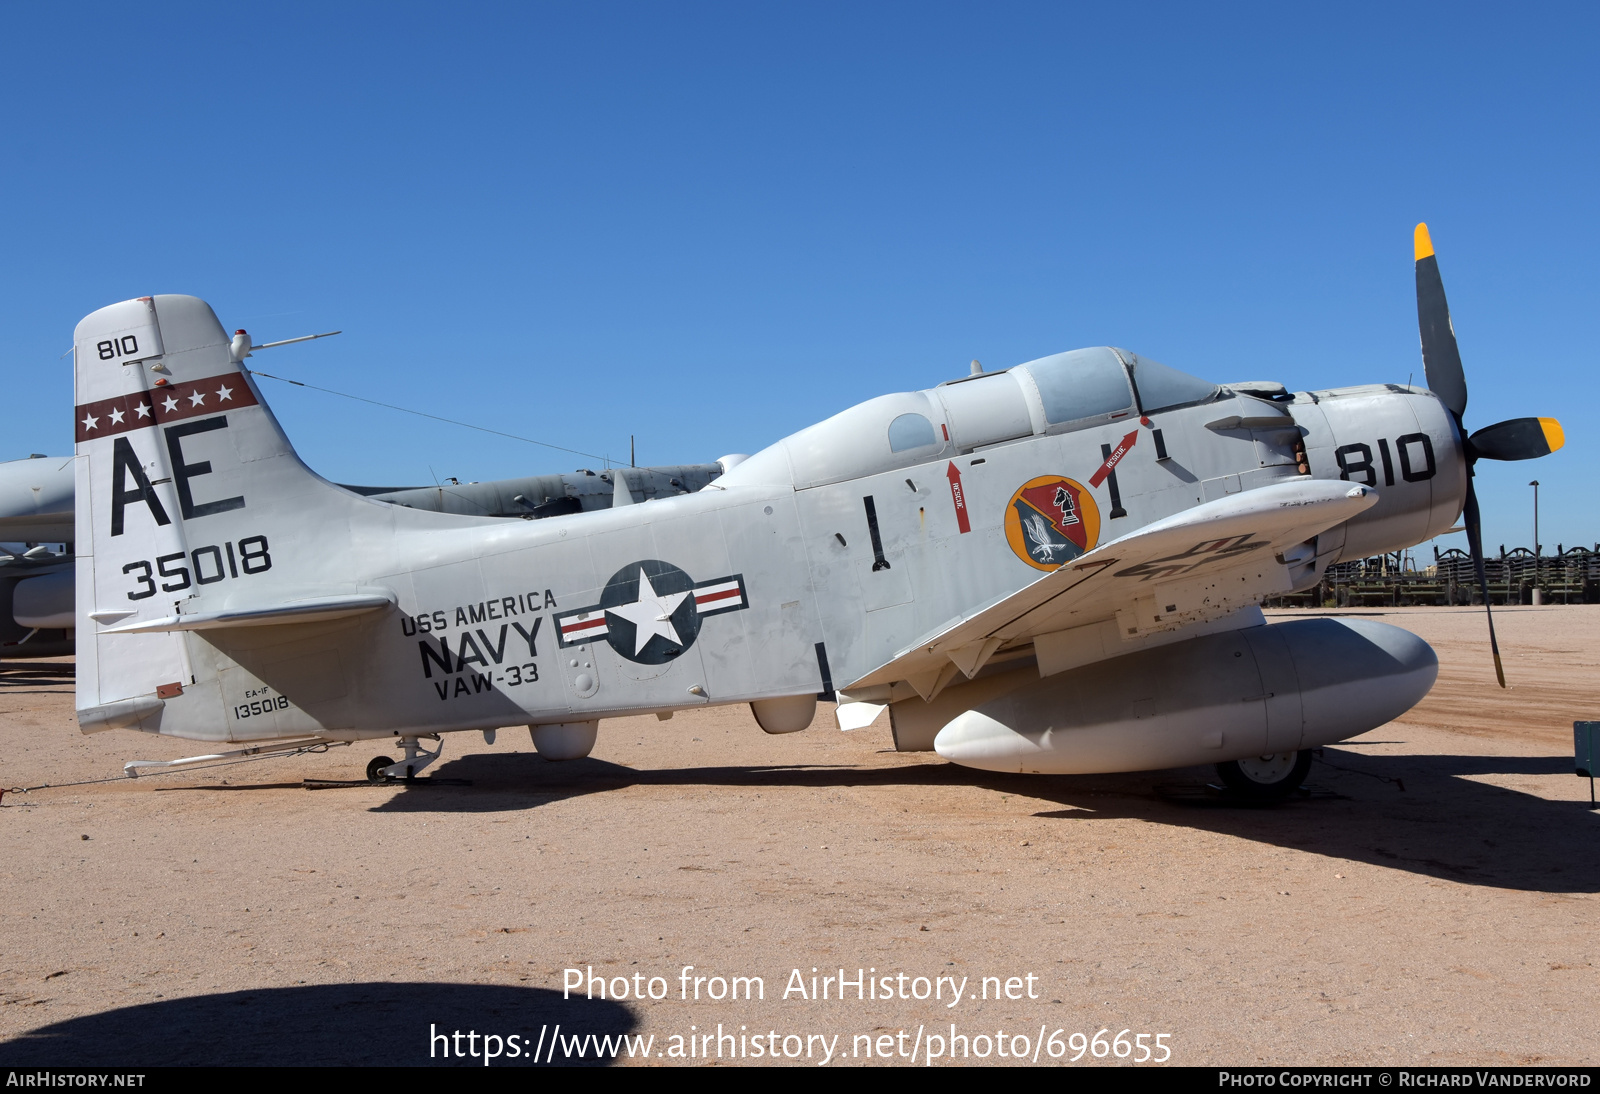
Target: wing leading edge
{"x":1178,"y":574}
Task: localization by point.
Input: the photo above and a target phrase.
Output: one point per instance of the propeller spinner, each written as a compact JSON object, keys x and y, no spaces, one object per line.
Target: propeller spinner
{"x":1514,"y":439}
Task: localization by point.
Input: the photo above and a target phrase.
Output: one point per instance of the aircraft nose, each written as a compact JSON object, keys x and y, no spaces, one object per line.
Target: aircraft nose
{"x":1405,"y":445}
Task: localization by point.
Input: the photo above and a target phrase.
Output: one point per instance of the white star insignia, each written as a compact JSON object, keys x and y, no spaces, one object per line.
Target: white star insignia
{"x":144,"y":410}
{"x":224,"y":393}
{"x":90,"y":421}
{"x":169,"y":403}
{"x":196,"y":398}
{"x":651,"y":614}
{"x":116,"y":416}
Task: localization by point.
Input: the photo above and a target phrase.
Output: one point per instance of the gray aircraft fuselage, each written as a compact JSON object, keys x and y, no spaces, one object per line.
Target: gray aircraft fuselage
{"x":800,"y":571}
{"x":837,"y":578}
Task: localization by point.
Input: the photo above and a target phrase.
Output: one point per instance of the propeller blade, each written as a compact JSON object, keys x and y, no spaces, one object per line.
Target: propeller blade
{"x":1518,"y":439}
{"x":1475,"y":545}
{"x":1441,"y":360}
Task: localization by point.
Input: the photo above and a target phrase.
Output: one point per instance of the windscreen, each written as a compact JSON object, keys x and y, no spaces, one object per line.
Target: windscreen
{"x":1161,"y":387}
{"x":1084,"y":383}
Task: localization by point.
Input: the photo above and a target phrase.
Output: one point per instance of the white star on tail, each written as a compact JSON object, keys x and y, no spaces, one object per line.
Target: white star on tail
{"x":170,"y":403}
{"x":651,"y":614}
{"x":224,"y":393}
{"x":90,"y":421}
{"x":116,"y":416}
{"x":196,"y":398}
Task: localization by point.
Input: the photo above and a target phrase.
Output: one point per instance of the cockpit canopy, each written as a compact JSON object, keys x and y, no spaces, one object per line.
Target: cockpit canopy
{"x":1056,"y":394}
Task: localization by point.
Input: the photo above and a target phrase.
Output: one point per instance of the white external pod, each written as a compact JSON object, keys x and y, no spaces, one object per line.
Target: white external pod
{"x":1262,"y":690}
{"x":789,"y":714}
{"x":565,"y":740}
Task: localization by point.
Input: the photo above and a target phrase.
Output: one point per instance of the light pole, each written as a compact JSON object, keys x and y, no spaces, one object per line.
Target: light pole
{"x":1537,"y":592}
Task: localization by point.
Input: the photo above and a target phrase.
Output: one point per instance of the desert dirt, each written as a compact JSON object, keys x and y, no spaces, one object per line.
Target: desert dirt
{"x":1434,"y":899}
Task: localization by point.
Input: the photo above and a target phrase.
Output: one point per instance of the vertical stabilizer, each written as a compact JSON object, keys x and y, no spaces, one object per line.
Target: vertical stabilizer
{"x":185,"y":487}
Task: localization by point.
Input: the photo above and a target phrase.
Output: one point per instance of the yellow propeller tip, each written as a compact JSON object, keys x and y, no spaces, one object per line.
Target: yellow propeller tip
{"x":1423,"y":243}
{"x":1554,"y":435}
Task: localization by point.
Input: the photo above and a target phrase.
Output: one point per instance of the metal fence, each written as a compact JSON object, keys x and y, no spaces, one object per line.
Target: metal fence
{"x":1570,"y":576}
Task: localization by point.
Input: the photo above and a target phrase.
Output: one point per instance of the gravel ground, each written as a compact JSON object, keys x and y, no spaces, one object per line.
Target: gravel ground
{"x":1432,"y":901}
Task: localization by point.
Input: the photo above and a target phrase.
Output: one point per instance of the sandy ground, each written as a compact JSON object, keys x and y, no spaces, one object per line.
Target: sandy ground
{"x":1433,"y":901}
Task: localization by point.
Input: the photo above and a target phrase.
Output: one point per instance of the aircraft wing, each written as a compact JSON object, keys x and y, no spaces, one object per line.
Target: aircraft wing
{"x":1190,"y":568}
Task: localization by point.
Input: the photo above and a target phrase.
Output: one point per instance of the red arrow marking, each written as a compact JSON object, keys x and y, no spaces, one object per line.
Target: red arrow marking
{"x":1116,"y":455}
{"x":959,"y":498}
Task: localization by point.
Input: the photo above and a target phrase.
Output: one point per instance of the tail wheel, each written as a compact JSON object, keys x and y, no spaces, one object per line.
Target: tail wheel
{"x":1266,"y":778}
{"x":375,"y":767}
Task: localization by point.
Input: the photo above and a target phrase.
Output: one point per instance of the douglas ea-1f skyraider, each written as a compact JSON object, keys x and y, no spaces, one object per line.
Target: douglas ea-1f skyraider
{"x":1053,"y":568}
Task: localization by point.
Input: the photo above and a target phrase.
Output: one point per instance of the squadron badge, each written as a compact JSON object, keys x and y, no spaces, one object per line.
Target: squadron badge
{"x":1051,"y":521}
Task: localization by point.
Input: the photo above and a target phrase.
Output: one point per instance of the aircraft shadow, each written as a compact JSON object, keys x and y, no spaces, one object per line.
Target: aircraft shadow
{"x":1442,"y":823}
{"x":370,"y":1024}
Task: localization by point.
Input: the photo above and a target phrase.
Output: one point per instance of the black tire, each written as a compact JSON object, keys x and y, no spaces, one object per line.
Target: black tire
{"x":1266,"y":778}
{"x":376,"y":765}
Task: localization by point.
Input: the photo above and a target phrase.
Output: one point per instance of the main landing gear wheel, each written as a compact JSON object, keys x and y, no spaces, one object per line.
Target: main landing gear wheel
{"x":1266,"y":778}
{"x":375,"y":768}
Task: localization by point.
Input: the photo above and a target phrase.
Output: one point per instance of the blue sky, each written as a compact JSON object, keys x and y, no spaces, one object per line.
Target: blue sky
{"x":710,"y":225}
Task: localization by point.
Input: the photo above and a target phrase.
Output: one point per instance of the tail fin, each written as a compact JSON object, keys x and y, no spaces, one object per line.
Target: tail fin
{"x":188,"y":494}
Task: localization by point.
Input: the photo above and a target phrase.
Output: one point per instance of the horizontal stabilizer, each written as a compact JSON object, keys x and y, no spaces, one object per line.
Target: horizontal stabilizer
{"x":124,"y":714}
{"x":305,"y":609}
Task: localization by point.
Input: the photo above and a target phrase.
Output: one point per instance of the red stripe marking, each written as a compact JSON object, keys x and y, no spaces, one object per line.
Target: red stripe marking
{"x":157,"y":411}
{"x":1112,"y":460}
{"x":958,"y":497}
{"x":706,"y":598}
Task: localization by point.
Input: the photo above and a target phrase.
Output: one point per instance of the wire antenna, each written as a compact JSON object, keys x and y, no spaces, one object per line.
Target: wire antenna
{"x":418,"y":413}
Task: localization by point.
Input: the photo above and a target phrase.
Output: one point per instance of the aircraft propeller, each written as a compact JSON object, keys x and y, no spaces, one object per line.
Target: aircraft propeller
{"x":1514,"y":439}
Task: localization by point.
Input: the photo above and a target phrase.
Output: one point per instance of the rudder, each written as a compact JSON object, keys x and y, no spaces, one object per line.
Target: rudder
{"x":184,"y":481}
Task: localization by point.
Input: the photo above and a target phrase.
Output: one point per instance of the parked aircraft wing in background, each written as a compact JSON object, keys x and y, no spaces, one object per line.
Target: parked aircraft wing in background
{"x":36,"y":500}
{"x":538,"y":496}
